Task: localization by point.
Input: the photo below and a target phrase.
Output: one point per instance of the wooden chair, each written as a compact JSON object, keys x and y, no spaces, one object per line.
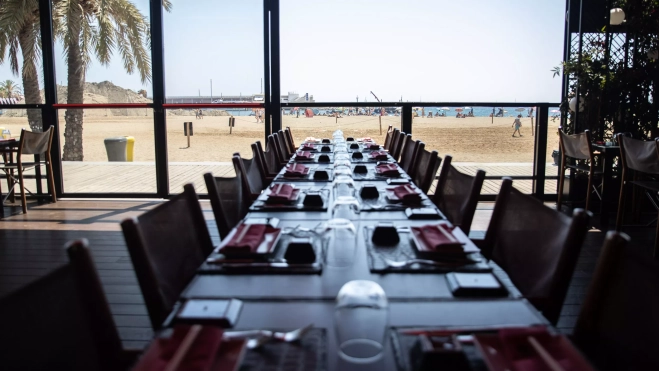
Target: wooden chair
{"x":228,"y":200}
{"x":576,"y":147}
{"x":62,"y":321}
{"x":398,"y":141}
{"x":642,"y":159}
{"x":272,"y":155}
{"x":387,"y":138}
{"x":618,"y":322}
{"x":167,"y":244}
{"x":31,"y":143}
{"x":425,"y":169}
{"x":251,"y":179}
{"x":283,"y":144}
{"x":281,"y":150}
{"x":536,"y":246}
{"x":457,"y":194}
{"x":259,"y":158}
{"x":409,"y":153}
{"x":289,"y":138}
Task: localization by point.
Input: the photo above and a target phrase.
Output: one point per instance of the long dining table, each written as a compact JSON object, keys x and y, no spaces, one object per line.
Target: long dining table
{"x":276,"y":297}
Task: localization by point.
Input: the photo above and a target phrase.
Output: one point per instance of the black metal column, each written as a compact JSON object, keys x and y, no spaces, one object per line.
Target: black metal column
{"x":159,"y":116}
{"x":406,"y":118}
{"x":275,"y":79}
{"x":48,"y":113}
{"x":540,"y":155}
{"x":266,"y":68}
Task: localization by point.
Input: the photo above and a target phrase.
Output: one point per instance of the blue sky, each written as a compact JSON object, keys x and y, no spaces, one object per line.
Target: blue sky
{"x":336,"y":50}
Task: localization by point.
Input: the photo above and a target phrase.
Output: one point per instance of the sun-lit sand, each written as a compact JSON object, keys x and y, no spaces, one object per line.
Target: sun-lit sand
{"x":474,"y":139}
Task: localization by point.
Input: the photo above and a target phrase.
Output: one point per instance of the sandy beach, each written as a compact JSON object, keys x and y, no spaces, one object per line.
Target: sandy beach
{"x":472,"y":139}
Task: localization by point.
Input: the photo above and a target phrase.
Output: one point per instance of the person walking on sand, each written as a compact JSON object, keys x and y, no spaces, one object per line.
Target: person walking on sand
{"x":517,"y":124}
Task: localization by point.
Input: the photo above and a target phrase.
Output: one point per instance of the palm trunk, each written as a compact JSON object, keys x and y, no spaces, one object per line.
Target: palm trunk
{"x":30,"y":84}
{"x":76,"y":80}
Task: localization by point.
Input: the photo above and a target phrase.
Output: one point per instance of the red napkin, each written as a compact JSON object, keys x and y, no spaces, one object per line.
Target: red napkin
{"x":200,"y":356}
{"x":296,"y":170}
{"x":367,"y":139}
{"x":306,"y":147}
{"x":247,"y":237}
{"x":281,"y":193}
{"x":407,"y":193}
{"x":387,"y":169}
{"x":303,"y":155}
{"x":379,"y":155}
{"x":438,"y":238}
{"x":521,"y":354}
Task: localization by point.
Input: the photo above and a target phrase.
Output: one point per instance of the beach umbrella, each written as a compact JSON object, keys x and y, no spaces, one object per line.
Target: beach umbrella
{"x":467,"y":108}
{"x":520,"y":109}
{"x":445,"y":109}
{"x":459,"y":109}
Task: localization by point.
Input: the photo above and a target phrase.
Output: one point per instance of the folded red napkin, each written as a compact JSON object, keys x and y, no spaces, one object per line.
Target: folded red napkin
{"x":296,"y":170}
{"x":200,"y":356}
{"x":522,"y":355}
{"x":387,"y":169}
{"x":303,"y":155}
{"x":248,"y":237}
{"x":307,"y":147}
{"x":281,"y":192}
{"x":407,"y":193}
{"x":438,"y":238}
{"x":379,"y":155}
{"x":367,"y":139}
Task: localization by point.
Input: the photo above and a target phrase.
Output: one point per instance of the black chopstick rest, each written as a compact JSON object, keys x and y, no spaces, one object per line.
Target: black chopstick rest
{"x":369,"y":191}
{"x":357,"y":155}
{"x":360,"y":169}
{"x":323,"y":158}
{"x":320,"y":174}
{"x":385,"y":234}
{"x":325,"y":149}
{"x":313,"y":199}
{"x":354,"y":146}
{"x":300,"y":251}
{"x":326,"y":140}
{"x":350,"y":139}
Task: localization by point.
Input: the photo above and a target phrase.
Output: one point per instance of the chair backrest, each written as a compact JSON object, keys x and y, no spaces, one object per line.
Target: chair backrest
{"x":457,"y":194}
{"x":283,"y":144}
{"x":228,"y":200}
{"x":259,"y":157}
{"x":272,"y":155}
{"x":61,"y":321}
{"x":537,"y":246}
{"x":425,"y":169}
{"x":618,"y":322}
{"x":167,"y":244}
{"x":576,"y":145}
{"x":639,"y":155}
{"x":33,"y":143}
{"x":409,"y":153}
{"x":289,"y":138}
{"x":387,"y":138}
{"x":251,"y":178}
{"x":282,"y":153}
{"x":397,"y":144}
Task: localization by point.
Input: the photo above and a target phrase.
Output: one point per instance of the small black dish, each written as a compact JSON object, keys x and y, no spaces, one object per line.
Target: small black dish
{"x":323,"y":158}
{"x":360,"y":169}
{"x":326,"y":140}
{"x":385,"y":234}
{"x":313,"y":199}
{"x":300,"y":251}
{"x":350,"y":139}
{"x":320,"y":175}
{"x":369,"y":191}
{"x":325,"y":149}
{"x":357,"y":155}
{"x":354,"y":146}
{"x":435,"y":352}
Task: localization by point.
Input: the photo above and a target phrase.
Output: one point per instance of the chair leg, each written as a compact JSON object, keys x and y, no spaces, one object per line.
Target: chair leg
{"x":621,"y":202}
{"x":561,"y":180}
{"x":589,"y":189}
{"x":21,"y":183}
{"x":51,"y":179}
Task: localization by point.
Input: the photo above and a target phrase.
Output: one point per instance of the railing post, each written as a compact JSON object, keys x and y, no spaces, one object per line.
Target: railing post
{"x":406,"y":116}
{"x":159,"y":116}
{"x":540,"y":156}
{"x":266,"y":65}
{"x":275,"y":77}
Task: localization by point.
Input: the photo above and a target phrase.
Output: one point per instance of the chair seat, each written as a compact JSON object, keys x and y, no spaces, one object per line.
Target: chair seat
{"x":585,"y":168}
{"x":647,"y":184}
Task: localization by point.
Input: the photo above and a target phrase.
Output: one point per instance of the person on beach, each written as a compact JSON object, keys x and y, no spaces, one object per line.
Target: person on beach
{"x":196,"y":114}
{"x":201,"y":114}
{"x":517,"y":124}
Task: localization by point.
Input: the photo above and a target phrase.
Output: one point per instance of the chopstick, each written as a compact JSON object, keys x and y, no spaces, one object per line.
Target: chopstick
{"x":242,"y":234}
{"x":182,"y":350}
{"x":450,"y":236}
{"x":544,"y":355}
{"x":451,"y":331}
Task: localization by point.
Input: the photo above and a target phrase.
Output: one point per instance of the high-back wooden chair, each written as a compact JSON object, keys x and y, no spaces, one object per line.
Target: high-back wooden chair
{"x":538,"y":247}
{"x":31,"y":143}
{"x":425,"y":169}
{"x":62,"y":321}
{"x":272,"y":155}
{"x":229,"y":202}
{"x":618,"y":322}
{"x":457,"y":194}
{"x":409,"y":153}
{"x":289,"y":138}
{"x":167,"y":244}
{"x":641,"y":158}
{"x":283,"y":144}
{"x":576,"y":147}
{"x":252,"y":182}
{"x":398,"y":141}
{"x":259,"y":158}
{"x":281,"y":151}
{"x":387,"y":138}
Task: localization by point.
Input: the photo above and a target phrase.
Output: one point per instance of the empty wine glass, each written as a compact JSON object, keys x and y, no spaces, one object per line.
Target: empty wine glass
{"x":361,"y":318}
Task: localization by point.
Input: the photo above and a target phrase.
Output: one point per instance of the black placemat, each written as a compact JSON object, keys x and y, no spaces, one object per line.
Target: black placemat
{"x":383,"y":204}
{"x":310,"y":176}
{"x":261,"y":204}
{"x":310,"y":353}
{"x":402,"y":344}
{"x":405,"y":250}
{"x":262,"y":267}
{"x":373,"y":175}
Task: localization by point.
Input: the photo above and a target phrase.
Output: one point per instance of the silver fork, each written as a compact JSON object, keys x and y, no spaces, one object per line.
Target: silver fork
{"x":256,"y":338}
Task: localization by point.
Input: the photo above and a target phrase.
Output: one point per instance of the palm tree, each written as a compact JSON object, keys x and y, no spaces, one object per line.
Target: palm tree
{"x":9,"y":89}
{"x":19,"y":28}
{"x":99,"y":27}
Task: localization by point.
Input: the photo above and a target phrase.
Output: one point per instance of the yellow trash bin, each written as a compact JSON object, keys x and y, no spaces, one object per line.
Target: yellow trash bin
{"x":130,"y":144}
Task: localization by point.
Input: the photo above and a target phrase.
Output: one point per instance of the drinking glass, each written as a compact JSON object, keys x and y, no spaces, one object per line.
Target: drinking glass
{"x":361,"y":319}
{"x":343,"y":185}
{"x":346,"y":207}
{"x":341,"y":242}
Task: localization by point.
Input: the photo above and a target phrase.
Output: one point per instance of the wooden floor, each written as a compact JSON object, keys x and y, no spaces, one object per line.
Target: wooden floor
{"x":140,"y":177}
{"x":31,"y":245}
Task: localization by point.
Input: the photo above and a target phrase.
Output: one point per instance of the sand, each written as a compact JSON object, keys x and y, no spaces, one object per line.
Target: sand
{"x":473,"y":139}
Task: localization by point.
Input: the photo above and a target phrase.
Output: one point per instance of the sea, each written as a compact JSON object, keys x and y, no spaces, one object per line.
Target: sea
{"x":478,"y":111}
